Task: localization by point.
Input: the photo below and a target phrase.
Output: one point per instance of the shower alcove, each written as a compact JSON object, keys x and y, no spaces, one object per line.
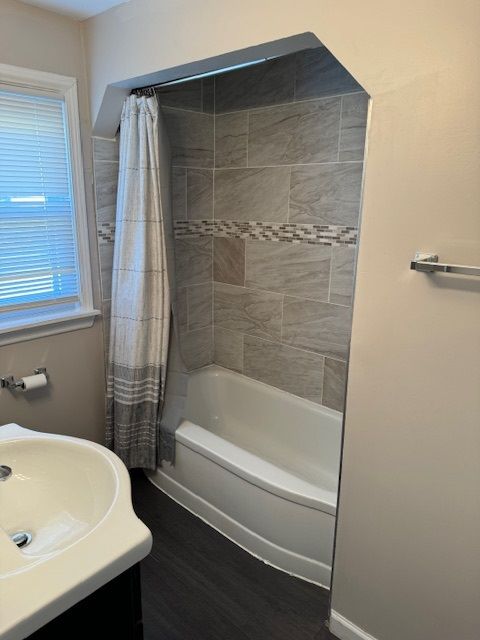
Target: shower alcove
{"x":262,"y":180}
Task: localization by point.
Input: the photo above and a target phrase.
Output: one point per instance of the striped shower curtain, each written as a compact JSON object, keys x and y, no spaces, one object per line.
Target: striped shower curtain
{"x":140,"y":317}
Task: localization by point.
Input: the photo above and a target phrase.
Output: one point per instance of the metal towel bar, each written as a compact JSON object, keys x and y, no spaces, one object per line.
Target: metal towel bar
{"x":428,"y":263}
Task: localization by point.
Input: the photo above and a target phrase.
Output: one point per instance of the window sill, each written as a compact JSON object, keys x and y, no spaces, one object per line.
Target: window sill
{"x":47,"y":326}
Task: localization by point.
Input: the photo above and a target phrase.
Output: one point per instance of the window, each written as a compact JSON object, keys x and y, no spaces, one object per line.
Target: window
{"x":45,"y":282}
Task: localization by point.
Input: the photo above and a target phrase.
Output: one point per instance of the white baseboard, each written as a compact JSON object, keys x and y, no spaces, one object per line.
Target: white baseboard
{"x":346,"y":630}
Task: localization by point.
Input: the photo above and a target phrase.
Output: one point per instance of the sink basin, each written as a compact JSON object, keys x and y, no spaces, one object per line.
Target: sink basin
{"x":59,"y":491}
{"x":73,"y":497}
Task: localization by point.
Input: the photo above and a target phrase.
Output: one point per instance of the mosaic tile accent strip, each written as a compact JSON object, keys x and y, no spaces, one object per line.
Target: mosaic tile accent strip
{"x":332,"y":235}
{"x":106,"y":232}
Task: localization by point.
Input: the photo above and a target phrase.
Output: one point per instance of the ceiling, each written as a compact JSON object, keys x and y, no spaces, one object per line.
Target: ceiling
{"x":78,"y":9}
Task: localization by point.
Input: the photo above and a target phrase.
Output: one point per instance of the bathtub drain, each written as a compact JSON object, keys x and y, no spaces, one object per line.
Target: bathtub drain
{"x":21,"y":538}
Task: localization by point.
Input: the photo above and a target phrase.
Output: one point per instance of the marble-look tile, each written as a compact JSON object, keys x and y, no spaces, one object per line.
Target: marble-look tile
{"x":106,"y":181}
{"x":334,"y":384}
{"x":341,"y":283}
{"x":179,"y":193}
{"x":180,"y":308}
{"x":196,"y":348}
{"x":229,"y":260}
{"x":105,"y":150}
{"x":247,"y":311}
{"x":298,"y":133}
{"x":228,"y":349}
{"x":317,"y":326}
{"x":318,"y":73}
{"x":292,"y":370}
{"x":199,"y":194}
{"x":268,"y":83}
{"x":208,"y":95}
{"x":252,"y":194}
{"x":200,"y":306}
{"x":177,"y":380}
{"x":326,"y":194}
{"x":183,"y":95}
{"x":106,"y":311}
{"x":105,"y":251}
{"x":193,"y":260}
{"x":294,"y":269}
{"x":231,"y":133}
{"x":353,"y":126}
{"x":191,"y":137}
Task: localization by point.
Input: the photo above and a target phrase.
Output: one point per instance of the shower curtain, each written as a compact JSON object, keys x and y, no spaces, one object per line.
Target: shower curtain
{"x":140,"y":316}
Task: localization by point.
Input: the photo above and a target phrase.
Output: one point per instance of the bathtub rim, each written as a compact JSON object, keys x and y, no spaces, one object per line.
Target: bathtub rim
{"x":276,"y":556}
{"x":324,"y":489}
{"x":240,"y":462}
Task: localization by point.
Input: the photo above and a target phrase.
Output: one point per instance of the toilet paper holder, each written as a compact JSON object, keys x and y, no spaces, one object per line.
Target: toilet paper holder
{"x":12,"y":384}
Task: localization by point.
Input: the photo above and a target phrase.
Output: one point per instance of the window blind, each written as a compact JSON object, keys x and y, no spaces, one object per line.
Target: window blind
{"x":38,"y":256}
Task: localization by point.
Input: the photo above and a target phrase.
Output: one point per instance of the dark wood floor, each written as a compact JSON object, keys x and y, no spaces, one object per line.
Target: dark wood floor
{"x":197,"y":585}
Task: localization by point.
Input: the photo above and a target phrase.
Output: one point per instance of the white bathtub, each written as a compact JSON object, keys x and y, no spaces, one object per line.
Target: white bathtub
{"x":261,"y":466}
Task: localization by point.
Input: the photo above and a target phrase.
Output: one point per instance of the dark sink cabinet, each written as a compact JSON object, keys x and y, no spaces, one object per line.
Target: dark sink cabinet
{"x":113,"y":611}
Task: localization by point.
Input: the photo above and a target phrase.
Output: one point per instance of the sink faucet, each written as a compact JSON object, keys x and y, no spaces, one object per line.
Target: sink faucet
{"x":5,"y":472}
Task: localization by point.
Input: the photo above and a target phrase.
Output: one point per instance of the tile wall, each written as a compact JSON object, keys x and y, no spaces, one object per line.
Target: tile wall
{"x":266,"y":197}
{"x":190,"y":122}
{"x":267,"y":165}
{"x":105,"y":170}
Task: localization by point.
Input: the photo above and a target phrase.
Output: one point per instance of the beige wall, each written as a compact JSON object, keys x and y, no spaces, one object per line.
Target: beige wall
{"x":408,"y":559}
{"x":74,"y":402}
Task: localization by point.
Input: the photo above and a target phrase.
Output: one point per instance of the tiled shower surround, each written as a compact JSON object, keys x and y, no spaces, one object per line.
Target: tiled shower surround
{"x":267,"y":166}
{"x":105,"y":169}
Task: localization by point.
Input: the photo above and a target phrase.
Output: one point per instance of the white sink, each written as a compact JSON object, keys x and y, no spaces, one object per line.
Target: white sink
{"x":73,"y":497}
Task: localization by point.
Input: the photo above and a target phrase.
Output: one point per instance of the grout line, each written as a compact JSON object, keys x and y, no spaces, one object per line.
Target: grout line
{"x":243,"y":352}
{"x":284,"y":344}
{"x":323,"y":381}
{"x":213,"y":294}
{"x":214,"y":135}
{"x":213,"y":195}
{"x":287,"y":104}
{"x":213,"y":311}
{"x":199,"y":111}
{"x":340,"y":129}
{"x":264,"y":166}
{"x":282,"y":293}
{"x":295,"y":76}
{"x":330,"y":275}
{"x":214,"y":150}
{"x":289,"y":193}
{"x":213,"y":342}
{"x":213,"y":208}
{"x":212,"y":350}
{"x":195,"y":284}
{"x":280,"y":344}
{"x":195,"y":236}
{"x":214,"y":96}
{"x":248,"y":133}
{"x":245,"y":245}
{"x":281,"y":319}
{"x":186,"y":195}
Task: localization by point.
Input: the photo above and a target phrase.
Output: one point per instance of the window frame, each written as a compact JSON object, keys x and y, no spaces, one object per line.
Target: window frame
{"x":52,"y":319}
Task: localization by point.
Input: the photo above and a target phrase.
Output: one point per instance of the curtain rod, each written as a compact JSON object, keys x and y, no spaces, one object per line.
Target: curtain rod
{"x":149,"y":90}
